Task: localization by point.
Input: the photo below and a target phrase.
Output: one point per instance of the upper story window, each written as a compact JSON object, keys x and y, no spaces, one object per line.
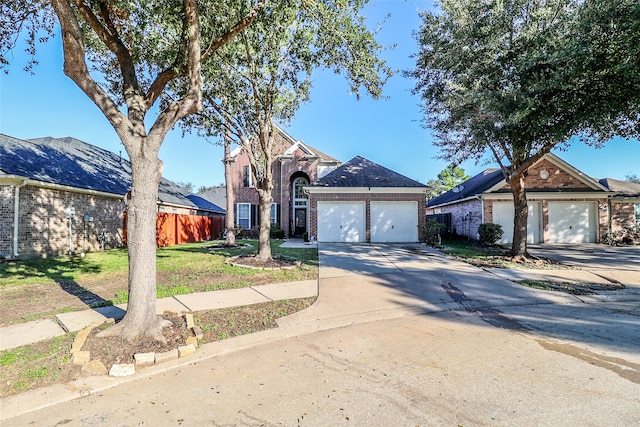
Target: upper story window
{"x":299,"y":196}
{"x":247,"y":176}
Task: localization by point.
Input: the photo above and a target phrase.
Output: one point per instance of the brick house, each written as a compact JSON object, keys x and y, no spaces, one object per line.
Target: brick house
{"x":565,"y":205}
{"x":296,"y":165}
{"x":64,"y":195}
{"x":362,"y":201}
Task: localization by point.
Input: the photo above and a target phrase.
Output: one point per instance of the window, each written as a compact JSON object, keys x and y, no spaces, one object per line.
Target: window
{"x":247,"y":176}
{"x":243,"y":219}
{"x":274,"y":213}
{"x":636,"y":208}
{"x":299,"y":196}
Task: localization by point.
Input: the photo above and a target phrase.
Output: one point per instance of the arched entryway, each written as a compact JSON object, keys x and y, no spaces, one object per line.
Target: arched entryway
{"x":299,"y":205}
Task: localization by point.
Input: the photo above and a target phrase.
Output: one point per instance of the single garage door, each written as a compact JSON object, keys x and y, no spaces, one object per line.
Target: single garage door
{"x":394,"y":221}
{"x":503,"y":213}
{"x":341,"y":222}
{"x":572,"y":222}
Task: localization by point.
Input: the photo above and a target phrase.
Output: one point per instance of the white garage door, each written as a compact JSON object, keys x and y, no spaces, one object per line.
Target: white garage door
{"x":341,"y":222}
{"x":394,"y":221}
{"x":572,"y":222}
{"x":503,"y":213}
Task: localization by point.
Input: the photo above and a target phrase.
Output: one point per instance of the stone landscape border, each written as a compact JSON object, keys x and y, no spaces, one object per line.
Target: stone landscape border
{"x":96,"y":367}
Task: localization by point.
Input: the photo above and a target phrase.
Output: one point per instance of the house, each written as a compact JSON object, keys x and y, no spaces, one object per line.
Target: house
{"x":61,"y":195}
{"x":624,"y":205}
{"x":362,"y":201}
{"x":215,"y":195}
{"x":565,"y":205}
{"x":296,"y":165}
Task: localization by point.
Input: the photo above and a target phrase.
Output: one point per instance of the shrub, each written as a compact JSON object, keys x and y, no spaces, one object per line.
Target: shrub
{"x":490,"y":233}
{"x":305,"y":236}
{"x":432,"y":232}
{"x":277,"y":232}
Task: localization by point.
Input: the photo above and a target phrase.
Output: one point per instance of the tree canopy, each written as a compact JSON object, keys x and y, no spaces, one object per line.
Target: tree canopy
{"x":447,"y":179}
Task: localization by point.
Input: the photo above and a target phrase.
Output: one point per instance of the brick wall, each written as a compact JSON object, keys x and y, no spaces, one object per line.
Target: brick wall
{"x":284,"y":171}
{"x":6,"y":221}
{"x":557,"y":179}
{"x":466,"y":217}
{"x":44,"y":228}
{"x":622,"y":215}
{"x":367,"y":198}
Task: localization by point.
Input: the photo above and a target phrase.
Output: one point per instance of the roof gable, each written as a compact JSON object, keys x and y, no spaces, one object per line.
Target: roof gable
{"x":492,"y":181}
{"x":361,"y":172}
{"x":289,"y":145}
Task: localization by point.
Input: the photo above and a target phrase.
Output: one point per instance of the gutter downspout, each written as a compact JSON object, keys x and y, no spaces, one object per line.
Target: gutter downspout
{"x":16,"y":210}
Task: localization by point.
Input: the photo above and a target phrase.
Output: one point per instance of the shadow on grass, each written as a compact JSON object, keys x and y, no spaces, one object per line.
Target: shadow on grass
{"x":59,"y":270}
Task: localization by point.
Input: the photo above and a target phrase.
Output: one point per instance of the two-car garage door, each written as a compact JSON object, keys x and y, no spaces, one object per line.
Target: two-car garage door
{"x":346,"y":222}
{"x":568,"y":222}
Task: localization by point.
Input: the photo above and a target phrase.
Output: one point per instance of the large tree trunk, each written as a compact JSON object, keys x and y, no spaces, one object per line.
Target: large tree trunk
{"x":264,"y":240}
{"x":521,"y":209}
{"x":141,"y":318}
{"x":228,"y":180}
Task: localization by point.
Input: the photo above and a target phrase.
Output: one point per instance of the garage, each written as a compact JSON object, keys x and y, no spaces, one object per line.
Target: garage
{"x":572,"y":222}
{"x":503,"y":214}
{"x":393,"y":222}
{"x":341,"y":222}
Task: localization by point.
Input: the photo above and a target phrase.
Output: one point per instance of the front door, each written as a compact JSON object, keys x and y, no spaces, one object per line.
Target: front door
{"x":300,"y":222}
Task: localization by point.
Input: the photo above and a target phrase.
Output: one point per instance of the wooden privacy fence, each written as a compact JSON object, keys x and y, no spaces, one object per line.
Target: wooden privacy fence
{"x":173,"y":229}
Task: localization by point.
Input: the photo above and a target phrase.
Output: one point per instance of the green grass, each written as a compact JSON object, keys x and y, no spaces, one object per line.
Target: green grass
{"x":24,"y":367}
{"x":181,"y":269}
{"x":476,"y":254}
{"x":473,"y":253}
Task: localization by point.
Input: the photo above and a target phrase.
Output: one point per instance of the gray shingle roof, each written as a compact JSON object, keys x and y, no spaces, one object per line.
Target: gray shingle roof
{"x":203,"y":203}
{"x":71,"y":162}
{"x":622,"y":188}
{"x":361,"y":172}
{"x":474,"y":185}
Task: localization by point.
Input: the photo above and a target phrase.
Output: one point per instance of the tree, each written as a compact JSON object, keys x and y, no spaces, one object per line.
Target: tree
{"x":185,"y":186}
{"x":447,"y":179}
{"x":632,"y":177}
{"x":496,"y":77}
{"x":266,"y":76}
{"x":139,"y":50}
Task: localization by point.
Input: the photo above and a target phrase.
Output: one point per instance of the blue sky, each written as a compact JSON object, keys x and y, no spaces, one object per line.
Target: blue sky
{"x":388,"y":131}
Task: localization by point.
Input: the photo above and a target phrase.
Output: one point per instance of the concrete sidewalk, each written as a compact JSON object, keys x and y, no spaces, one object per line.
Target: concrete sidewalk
{"x":31,"y":332}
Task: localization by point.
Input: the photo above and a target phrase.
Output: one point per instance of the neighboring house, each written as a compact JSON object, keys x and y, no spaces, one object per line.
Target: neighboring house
{"x":624,"y":205}
{"x":60,"y":195}
{"x":296,"y":165}
{"x":362,"y":201}
{"x":216,"y":195}
{"x":565,"y":205}
{"x":206,"y":207}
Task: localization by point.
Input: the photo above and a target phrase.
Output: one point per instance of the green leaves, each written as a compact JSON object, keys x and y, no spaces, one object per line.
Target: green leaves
{"x":519,"y":76}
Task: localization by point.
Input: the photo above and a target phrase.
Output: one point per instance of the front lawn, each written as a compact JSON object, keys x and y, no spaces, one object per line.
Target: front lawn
{"x":40,"y":288}
{"x":474,"y":253}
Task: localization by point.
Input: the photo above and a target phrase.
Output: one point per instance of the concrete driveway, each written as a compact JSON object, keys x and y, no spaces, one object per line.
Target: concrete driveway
{"x":400,"y":335}
{"x":618,"y":263}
